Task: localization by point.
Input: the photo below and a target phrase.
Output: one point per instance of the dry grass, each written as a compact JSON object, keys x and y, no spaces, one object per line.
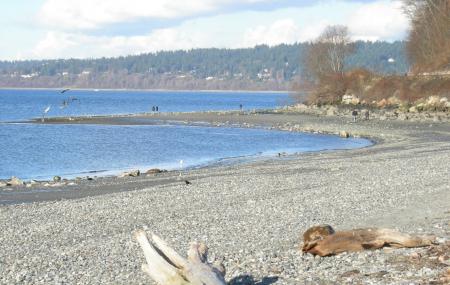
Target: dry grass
{"x":371,"y":88}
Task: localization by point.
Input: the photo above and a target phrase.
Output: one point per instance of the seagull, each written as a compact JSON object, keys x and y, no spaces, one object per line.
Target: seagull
{"x":65,"y":90}
{"x":45,"y":112}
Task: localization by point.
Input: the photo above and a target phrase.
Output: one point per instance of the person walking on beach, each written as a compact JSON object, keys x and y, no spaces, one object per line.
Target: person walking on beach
{"x":354,"y":115}
{"x":240,"y":107}
{"x":153,"y":109}
{"x":157,"y":109}
{"x":366,"y":115}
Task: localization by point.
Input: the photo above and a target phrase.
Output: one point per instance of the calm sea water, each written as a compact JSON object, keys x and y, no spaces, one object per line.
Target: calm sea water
{"x":26,"y":104}
{"x":41,"y":151}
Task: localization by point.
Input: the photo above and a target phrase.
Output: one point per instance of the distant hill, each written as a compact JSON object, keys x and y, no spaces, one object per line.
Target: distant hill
{"x":258,"y":68}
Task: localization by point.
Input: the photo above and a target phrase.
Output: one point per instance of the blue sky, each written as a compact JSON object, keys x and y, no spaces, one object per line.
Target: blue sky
{"x":37,"y":29}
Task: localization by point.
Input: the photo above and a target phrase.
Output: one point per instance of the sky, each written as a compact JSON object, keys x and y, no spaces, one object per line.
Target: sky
{"x":51,"y":29}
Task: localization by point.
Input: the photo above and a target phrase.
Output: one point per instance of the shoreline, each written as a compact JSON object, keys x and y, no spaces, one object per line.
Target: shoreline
{"x":149,"y":90}
{"x":39,"y":182}
{"x":251,"y":215}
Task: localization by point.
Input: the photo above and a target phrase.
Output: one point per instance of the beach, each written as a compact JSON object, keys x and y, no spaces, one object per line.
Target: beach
{"x":251,"y":214}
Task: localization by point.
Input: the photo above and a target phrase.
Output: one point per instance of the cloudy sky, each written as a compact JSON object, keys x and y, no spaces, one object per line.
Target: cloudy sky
{"x":37,"y":29}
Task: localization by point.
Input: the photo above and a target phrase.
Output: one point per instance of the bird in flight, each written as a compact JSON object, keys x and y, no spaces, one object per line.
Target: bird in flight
{"x":65,"y":90}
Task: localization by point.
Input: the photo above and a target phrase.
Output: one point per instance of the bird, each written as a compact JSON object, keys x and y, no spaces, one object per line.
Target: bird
{"x":65,"y":90}
{"x":45,"y":112}
{"x":187,"y":182}
{"x":64,"y":104}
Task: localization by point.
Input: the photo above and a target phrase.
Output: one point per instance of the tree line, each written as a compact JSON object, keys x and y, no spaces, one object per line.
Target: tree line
{"x":282,"y":63}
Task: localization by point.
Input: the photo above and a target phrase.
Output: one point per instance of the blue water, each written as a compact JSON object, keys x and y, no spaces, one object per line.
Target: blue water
{"x":34,"y":151}
{"x":26,"y":104}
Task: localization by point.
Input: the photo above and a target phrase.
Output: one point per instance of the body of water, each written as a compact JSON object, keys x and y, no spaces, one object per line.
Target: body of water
{"x":32,"y":151}
{"x":26,"y":104}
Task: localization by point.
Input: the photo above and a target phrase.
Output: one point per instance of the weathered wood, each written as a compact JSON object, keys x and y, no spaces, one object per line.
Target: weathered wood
{"x":324,"y":241}
{"x":167,"y":267}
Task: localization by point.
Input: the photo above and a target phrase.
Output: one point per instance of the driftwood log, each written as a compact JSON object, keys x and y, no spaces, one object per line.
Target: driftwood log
{"x":166,"y":267}
{"x":324,"y":241}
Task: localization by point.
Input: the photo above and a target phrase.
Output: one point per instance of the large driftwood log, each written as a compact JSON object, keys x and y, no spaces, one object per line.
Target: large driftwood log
{"x":324,"y":241}
{"x":167,"y":267}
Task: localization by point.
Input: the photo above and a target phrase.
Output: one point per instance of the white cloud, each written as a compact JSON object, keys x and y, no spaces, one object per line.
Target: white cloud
{"x":91,"y":14}
{"x":77,"y":45}
{"x":283,"y":31}
{"x":381,"y":20}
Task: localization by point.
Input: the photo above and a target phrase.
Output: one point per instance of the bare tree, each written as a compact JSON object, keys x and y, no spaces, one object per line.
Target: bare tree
{"x":327,"y":54}
{"x":429,"y":38}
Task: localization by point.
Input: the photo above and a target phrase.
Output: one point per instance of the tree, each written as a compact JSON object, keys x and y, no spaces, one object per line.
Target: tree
{"x":429,"y":39}
{"x":326,"y":56}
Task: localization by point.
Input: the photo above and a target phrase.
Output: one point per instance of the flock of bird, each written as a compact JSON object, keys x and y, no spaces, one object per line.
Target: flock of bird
{"x":63,"y":105}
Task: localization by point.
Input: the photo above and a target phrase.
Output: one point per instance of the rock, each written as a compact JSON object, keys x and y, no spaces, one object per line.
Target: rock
{"x":420,"y":107}
{"x":154,"y":171}
{"x":15,"y":182}
{"x":3,"y":184}
{"x":56,"y":178}
{"x":133,"y":173}
{"x":394,"y":101}
{"x":350,"y":99}
{"x":413,"y":109}
{"x":402,"y":117}
{"x":433,"y":101}
{"x":382,"y":103}
{"x":344,"y":134}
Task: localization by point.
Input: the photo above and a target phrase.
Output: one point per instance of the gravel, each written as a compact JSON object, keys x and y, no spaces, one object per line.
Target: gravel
{"x":252,"y":215}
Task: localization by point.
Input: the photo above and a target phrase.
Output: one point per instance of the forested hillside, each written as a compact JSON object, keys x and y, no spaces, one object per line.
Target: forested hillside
{"x":259,"y":68}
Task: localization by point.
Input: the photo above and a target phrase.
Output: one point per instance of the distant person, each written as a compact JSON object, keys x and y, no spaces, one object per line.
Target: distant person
{"x":153,"y":109}
{"x":240,"y":107}
{"x":366,"y":115}
{"x":157,"y":109}
{"x":354,"y":115}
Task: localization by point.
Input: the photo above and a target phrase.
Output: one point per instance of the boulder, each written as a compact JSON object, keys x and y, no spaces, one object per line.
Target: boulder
{"x":350,"y":99}
{"x":413,"y":109}
{"x":344,"y":134}
{"x":133,"y":173}
{"x":433,"y":101}
{"x":3,"y":184}
{"x":154,"y":171}
{"x":382,"y":103}
{"x":394,"y":101}
{"x":15,"y":182}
